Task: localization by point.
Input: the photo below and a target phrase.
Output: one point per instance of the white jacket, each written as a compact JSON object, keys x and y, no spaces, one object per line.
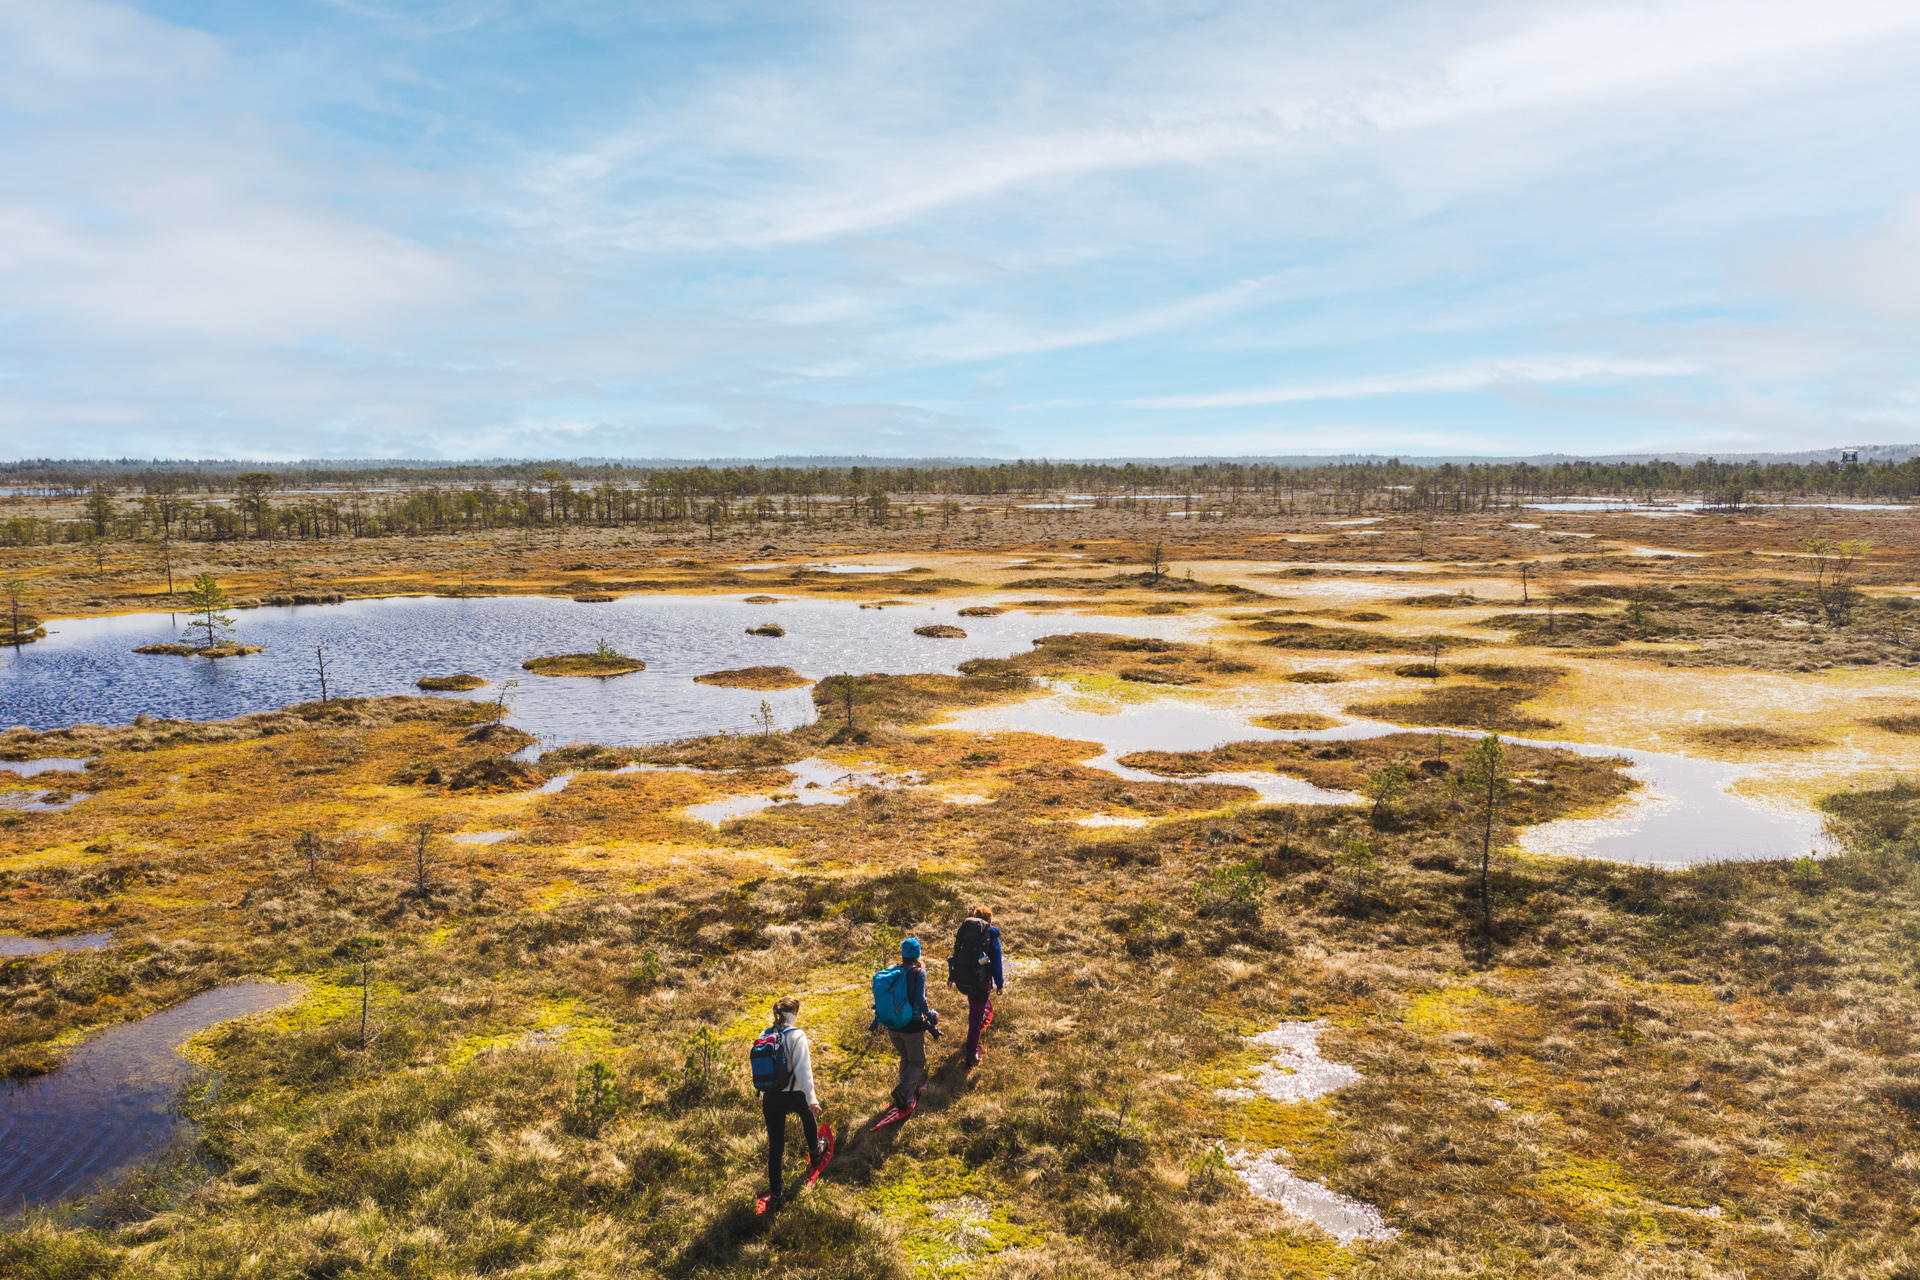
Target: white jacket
{"x":799,"y":1060}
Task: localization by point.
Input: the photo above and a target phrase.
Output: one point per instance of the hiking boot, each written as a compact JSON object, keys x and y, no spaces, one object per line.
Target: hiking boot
{"x":774,"y":1202}
{"x":975,"y":1059}
{"x":819,"y":1153}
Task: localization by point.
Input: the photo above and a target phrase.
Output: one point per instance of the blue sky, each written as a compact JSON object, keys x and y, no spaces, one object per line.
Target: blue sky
{"x":488,"y":228}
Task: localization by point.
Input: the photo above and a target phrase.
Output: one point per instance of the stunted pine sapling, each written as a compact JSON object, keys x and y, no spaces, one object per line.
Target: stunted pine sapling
{"x":420,"y":860}
{"x":1358,"y":860}
{"x":363,"y":949}
{"x":1386,"y":786}
{"x":16,"y":589}
{"x":596,"y":1099}
{"x":700,"y":1070}
{"x":1485,"y":781}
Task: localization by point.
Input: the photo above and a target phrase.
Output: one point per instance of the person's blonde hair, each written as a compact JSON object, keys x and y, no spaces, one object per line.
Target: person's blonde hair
{"x":985,"y":913}
{"x":786,"y":1004}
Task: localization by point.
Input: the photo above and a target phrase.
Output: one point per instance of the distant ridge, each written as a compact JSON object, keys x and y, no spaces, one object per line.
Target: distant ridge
{"x":1883,"y":453}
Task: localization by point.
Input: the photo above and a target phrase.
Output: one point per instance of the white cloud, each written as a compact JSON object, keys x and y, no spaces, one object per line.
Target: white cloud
{"x":80,"y":53}
{"x":186,"y":255}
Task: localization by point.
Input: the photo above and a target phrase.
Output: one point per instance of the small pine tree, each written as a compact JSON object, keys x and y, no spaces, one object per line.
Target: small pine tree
{"x":205,"y":599}
{"x":1386,"y":786}
{"x":1485,"y":780}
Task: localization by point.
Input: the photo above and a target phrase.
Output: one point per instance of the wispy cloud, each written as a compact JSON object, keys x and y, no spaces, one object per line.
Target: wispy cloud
{"x":1478,"y":377}
{"x":469,"y":226}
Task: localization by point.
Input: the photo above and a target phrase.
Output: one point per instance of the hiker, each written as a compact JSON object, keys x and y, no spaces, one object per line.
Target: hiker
{"x":782,"y":1065}
{"x":975,"y":970}
{"x":900,"y":1005}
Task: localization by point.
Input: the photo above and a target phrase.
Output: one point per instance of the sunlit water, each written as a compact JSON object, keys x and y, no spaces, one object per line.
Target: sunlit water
{"x":1682,"y":814}
{"x":12,"y":944}
{"x":113,"y":1102}
{"x":86,"y":671}
{"x":46,"y":764}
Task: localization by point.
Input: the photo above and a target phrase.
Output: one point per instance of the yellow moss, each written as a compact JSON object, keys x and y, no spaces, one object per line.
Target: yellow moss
{"x":554,"y":894}
{"x":1451,"y":1009}
{"x":1791,"y":1166}
{"x":556,"y":1022}
{"x":52,"y":855}
{"x":949,"y":1220}
{"x":1297,"y":1255}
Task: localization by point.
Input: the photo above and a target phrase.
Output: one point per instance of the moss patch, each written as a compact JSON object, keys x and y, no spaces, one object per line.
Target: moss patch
{"x":449,"y":684}
{"x":754,"y":678}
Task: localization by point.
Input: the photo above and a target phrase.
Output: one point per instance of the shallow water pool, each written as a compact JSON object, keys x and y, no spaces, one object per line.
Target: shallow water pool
{"x":111,"y":1104}
{"x":13,"y":944}
{"x":1683,"y":813}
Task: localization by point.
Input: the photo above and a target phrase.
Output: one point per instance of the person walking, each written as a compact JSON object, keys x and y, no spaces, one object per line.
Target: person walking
{"x":977,"y":971}
{"x":782,"y":1063}
{"x":900,"y":1005}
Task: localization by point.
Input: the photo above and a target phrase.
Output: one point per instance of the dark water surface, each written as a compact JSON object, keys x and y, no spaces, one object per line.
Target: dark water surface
{"x":86,"y":672}
{"x":112,"y":1104}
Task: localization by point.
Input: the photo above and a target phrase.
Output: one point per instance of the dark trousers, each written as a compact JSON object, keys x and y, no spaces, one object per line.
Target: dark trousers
{"x":776,"y":1107}
{"x":912,"y":1048}
{"x":979,"y":1000}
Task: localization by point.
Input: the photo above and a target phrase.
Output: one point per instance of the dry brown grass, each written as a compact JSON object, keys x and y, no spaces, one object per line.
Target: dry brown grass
{"x":584,"y":664}
{"x":1732,"y":1037}
{"x":1295,"y":720}
{"x":208,"y":651}
{"x":754,"y":678}
{"x":449,"y":684}
{"x":1753,"y":737}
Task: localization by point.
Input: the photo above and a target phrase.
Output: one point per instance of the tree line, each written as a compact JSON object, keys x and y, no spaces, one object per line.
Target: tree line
{"x":317,"y":503}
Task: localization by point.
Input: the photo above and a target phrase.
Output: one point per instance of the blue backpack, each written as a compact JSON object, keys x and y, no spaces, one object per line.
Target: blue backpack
{"x":772,"y":1070}
{"x":892,"y":1004}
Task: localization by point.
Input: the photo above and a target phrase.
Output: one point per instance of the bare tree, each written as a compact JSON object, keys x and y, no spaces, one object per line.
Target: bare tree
{"x":1833,"y":574}
{"x":1157,"y":562}
{"x":420,"y":860}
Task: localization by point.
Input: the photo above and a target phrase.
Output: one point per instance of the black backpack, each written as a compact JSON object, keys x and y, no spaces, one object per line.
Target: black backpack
{"x":970,"y":965}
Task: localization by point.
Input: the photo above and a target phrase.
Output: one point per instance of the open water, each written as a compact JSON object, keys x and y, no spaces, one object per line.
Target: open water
{"x":85,"y":671}
{"x":113,"y":1103}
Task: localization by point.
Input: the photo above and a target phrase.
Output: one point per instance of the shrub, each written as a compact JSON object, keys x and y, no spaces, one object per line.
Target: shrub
{"x":596,"y":1100}
{"x":1232,"y":891}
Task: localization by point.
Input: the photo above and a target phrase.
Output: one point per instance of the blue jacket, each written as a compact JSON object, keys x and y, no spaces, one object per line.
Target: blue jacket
{"x":993,"y":952}
{"x":917,"y":990}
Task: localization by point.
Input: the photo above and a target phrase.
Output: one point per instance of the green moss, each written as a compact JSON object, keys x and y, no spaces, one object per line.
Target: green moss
{"x":555,"y":1023}
{"x":948,"y":1220}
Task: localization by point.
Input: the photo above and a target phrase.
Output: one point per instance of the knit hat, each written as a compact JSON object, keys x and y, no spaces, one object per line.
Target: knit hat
{"x":910,"y":949}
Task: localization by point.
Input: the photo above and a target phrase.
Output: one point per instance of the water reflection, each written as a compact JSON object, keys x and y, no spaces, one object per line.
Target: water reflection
{"x":1683,"y":813}
{"x":86,"y":672}
{"x":47,"y":764}
{"x":13,"y":944}
{"x":112,"y":1103}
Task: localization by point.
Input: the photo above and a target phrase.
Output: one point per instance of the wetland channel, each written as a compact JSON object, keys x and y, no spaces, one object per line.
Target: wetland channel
{"x":114,"y":1102}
